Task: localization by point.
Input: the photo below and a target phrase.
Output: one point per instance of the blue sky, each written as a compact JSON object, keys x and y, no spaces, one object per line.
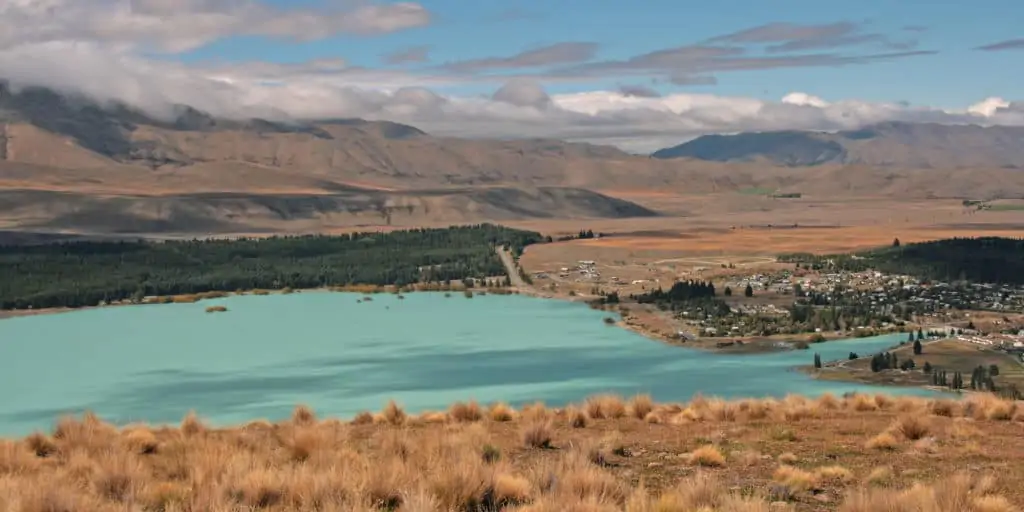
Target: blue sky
{"x":459,"y":30}
{"x":637,"y":75}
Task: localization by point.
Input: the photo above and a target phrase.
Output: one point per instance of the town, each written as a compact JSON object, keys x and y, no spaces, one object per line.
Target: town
{"x":795,"y":300}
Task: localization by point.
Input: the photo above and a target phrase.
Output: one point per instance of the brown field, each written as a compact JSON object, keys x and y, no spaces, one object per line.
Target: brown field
{"x":949,"y":355}
{"x":856,"y":454}
{"x":819,"y":240}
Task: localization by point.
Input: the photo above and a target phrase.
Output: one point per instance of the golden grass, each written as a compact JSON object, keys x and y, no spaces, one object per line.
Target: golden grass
{"x":883,"y":441}
{"x":879,"y":476}
{"x":537,"y":434}
{"x":491,"y":459}
{"x":912,"y":427}
{"x":640,"y":406}
{"x":795,"y":480}
{"x":465,"y":412}
{"x":788,"y":458}
{"x":707,"y":456}
{"x":501,"y":412}
{"x":605,"y":406}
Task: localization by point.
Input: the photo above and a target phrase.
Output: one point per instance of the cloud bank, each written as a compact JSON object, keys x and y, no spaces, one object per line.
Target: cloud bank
{"x":102,"y":49}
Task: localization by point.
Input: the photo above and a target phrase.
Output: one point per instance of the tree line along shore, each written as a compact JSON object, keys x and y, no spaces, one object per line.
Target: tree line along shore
{"x":86,"y":273}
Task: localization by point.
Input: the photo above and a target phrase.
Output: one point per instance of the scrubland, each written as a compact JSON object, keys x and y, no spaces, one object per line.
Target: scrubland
{"x":859,"y":453}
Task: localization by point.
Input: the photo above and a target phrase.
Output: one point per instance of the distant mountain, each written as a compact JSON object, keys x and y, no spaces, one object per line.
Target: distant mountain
{"x":69,"y":164}
{"x":892,"y":144}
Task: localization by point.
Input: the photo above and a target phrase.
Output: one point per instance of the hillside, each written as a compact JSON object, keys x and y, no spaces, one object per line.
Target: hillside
{"x":854,"y":454}
{"x":67,"y":164}
{"x":981,"y":260}
{"x":893,"y":144}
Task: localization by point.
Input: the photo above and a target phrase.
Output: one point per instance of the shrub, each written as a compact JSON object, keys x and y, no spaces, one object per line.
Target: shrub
{"x":394,"y":414}
{"x":577,"y":417}
{"x":707,"y":456}
{"x":912,"y":427}
{"x":363,"y":418}
{"x":788,"y":458}
{"x":883,"y":441}
{"x":41,"y":444}
{"x":945,"y":408}
{"x":537,"y":434}
{"x":501,"y":412}
{"x":836,"y":474}
{"x":491,"y":453}
{"x":510,"y":490}
{"x":605,"y":406}
{"x":465,"y":412}
{"x":191,"y":425}
{"x":640,"y":406}
{"x":794,"y":479}
{"x":141,"y":441}
{"x":303,"y":415}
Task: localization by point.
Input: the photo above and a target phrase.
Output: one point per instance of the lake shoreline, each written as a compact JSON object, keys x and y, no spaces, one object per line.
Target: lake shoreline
{"x":765,"y":345}
{"x":339,"y":352}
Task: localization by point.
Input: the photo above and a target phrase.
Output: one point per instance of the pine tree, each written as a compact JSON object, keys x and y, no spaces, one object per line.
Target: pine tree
{"x":876,"y":363}
{"x":917,"y":347}
{"x":817,"y":361}
{"x":748,"y":291}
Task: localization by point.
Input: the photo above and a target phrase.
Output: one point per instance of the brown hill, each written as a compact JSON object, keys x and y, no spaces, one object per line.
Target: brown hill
{"x":66,"y":163}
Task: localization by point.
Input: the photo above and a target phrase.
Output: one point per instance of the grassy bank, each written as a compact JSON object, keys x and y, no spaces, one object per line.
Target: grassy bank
{"x":948,"y":356}
{"x":852,"y":454}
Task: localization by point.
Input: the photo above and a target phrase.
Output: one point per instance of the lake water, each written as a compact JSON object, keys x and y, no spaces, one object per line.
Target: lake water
{"x":269,"y":353}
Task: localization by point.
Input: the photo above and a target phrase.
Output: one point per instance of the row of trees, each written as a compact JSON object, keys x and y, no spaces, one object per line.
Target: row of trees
{"x":889,"y":361}
{"x":76,"y":274}
{"x":984,"y":260}
{"x":686,"y":295}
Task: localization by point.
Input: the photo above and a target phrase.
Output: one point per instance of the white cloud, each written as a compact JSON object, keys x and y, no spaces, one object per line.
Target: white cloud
{"x":519,"y":108}
{"x":988,"y":107}
{"x":180,"y":25}
{"x":801,"y":98}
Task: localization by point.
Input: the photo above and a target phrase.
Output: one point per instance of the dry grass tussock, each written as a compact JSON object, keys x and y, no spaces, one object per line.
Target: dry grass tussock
{"x":604,"y":454}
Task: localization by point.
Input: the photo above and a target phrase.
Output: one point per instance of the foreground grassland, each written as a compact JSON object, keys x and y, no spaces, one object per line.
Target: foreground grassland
{"x":855,"y":454}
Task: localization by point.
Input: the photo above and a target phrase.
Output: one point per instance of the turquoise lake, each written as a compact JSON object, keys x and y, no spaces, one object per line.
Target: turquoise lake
{"x":269,"y":353}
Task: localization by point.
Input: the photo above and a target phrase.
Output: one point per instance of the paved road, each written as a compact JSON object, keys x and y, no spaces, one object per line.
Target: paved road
{"x":511,"y":269}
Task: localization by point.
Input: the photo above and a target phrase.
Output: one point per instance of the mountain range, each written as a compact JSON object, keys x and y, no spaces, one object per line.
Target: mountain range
{"x":891,"y":144}
{"x":69,"y":164}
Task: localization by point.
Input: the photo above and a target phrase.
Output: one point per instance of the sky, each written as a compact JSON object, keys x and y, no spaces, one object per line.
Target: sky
{"x":636,"y":75}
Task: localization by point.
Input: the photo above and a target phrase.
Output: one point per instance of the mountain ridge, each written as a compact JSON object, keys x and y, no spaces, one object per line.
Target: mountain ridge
{"x":886,"y":144}
{"x":111,"y":164}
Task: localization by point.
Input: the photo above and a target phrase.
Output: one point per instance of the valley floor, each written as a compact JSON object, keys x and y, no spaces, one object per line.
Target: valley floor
{"x":855,"y":454}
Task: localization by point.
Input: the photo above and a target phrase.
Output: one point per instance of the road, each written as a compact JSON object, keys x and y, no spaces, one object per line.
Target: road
{"x":511,"y":269}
